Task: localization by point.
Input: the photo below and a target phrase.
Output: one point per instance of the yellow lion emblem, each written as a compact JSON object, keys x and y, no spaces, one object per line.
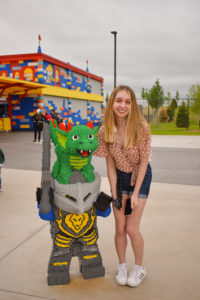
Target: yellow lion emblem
{"x":77,"y":222}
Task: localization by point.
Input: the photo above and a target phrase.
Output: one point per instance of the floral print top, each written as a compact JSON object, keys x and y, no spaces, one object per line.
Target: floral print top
{"x":126,"y":159}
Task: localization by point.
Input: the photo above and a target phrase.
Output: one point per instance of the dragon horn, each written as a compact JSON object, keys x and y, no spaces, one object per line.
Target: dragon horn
{"x":69,"y":126}
{"x":54,"y":125}
{"x":63,"y":127}
{"x":90,"y":124}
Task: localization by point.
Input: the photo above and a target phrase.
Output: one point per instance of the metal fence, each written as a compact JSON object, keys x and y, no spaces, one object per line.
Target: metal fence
{"x":192,"y":106}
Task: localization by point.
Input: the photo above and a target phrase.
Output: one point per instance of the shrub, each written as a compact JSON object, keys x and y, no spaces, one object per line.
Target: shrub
{"x":170,"y":113}
{"x":174,"y":104}
{"x":163,"y":117}
{"x":182,"y":118}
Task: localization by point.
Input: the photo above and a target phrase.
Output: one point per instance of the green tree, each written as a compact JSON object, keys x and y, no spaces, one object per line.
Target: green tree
{"x":107,"y":97}
{"x":174,"y":104}
{"x":144,"y":93}
{"x":170,"y":113}
{"x":177,"y":96}
{"x":155,"y":97}
{"x":182,"y":118}
{"x":171,"y":110}
{"x":168,"y":98}
{"x":194,"y":98}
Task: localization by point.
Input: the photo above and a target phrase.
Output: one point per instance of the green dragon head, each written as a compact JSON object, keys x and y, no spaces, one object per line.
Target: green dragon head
{"x":74,"y":147}
{"x":79,"y":140}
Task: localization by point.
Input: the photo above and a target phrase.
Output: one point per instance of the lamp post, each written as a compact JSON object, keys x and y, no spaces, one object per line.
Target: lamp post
{"x":115,"y":56}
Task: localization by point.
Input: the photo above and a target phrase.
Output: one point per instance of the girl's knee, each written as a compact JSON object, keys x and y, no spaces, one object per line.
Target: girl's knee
{"x":120,"y":230}
{"x":132,"y":232}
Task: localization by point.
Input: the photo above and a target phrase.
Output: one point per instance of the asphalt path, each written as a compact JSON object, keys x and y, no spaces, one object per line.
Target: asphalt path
{"x":169,"y":165}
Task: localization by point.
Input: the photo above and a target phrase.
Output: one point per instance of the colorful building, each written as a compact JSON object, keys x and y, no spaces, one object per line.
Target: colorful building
{"x":37,"y":80}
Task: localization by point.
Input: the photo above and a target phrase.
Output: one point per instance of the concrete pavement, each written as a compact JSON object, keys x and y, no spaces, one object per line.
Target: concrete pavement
{"x":170,"y":226}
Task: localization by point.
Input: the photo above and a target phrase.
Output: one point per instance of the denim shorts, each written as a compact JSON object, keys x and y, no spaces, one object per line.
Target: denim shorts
{"x":128,"y":189}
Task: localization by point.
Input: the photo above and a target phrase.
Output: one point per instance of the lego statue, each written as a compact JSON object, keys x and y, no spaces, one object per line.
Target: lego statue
{"x":70,"y":199}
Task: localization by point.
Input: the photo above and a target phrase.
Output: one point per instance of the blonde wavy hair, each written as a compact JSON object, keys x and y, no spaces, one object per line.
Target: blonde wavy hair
{"x":135,"y":120}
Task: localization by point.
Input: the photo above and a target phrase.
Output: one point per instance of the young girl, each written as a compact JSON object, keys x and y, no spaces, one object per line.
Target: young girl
{"x":124,"y":139}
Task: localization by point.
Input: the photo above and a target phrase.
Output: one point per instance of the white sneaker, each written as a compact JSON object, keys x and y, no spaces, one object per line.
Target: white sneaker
{"x":121,"y":276}
{"x":136,"y":276}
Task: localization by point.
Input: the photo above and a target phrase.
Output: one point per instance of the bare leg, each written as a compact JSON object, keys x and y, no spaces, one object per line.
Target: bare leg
{"x":133,"y":230}
{"x":120,"y":231}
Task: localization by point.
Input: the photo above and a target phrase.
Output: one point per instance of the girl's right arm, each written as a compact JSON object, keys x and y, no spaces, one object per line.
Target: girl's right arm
{"x":112,"y":175}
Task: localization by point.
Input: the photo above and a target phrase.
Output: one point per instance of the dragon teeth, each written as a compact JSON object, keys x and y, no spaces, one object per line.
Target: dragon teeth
{"x":81,"y":151}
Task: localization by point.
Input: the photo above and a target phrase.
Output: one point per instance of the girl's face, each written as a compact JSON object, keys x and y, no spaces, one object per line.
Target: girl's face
{"x":122,"y":104}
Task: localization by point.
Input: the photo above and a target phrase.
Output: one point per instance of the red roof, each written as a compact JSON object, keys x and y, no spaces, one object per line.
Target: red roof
{"x":42,"y":56}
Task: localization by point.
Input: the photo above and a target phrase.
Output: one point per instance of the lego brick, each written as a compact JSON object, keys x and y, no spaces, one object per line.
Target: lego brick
{"x":24,"y":126}
{"x":20,"y":117}
{"x":16,"y":68}
{"x":17,"y":108}
{"x":24,"y":120}
{"x":32,"y":64}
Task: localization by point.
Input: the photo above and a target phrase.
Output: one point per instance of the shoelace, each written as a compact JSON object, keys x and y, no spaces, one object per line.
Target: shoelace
{"x":122,"y":272}
{"x":134,"y":274}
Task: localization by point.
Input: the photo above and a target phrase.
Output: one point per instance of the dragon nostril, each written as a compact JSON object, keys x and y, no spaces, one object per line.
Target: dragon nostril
{"x":81,"y":143}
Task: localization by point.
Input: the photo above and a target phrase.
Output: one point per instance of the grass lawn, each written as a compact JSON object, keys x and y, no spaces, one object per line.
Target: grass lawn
{"x":171,"y":129}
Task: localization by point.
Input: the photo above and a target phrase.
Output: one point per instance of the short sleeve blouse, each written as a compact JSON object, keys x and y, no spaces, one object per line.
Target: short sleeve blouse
{"x":126,"y":159}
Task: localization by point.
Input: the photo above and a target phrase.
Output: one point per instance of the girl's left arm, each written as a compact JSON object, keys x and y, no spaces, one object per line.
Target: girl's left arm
{"x":140,"y":177}
{"x":145,"y":150}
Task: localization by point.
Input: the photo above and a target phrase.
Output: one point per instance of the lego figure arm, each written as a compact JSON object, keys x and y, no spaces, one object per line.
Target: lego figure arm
{"x":49,"y":215}
{"x":102,"y":205}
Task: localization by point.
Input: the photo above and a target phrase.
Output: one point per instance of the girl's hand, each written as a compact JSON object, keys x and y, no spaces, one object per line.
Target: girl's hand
{"x":132,"y":179}
{"x":134,"y":201}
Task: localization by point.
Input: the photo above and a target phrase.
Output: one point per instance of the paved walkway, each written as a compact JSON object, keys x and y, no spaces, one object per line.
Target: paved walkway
{"x":170,"y":226}
{"x":176,"y":141}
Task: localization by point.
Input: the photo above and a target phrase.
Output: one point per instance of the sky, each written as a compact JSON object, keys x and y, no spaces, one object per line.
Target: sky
{"x":156,"y":39}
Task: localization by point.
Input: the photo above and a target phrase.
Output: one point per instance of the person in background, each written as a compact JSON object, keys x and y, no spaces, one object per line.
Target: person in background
{"x":2,"y":160}
{"x":55,"y":116}
{"x":38,"y":123}
{"x":124,"y":139}
{"x":47,"y":116}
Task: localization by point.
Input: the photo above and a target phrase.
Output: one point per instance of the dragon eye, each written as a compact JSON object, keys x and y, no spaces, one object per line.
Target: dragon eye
{"x":75,"y":137}
{"x":90,"y":136}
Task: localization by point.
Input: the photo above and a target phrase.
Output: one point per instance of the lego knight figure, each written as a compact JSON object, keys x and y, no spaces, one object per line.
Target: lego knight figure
{"x":71,"y":200}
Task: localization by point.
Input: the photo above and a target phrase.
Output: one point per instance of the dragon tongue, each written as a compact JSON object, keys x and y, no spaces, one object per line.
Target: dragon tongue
{"x":85,"y":153}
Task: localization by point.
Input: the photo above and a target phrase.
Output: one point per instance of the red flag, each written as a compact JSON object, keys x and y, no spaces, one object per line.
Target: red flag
{"x":39,"y":37}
